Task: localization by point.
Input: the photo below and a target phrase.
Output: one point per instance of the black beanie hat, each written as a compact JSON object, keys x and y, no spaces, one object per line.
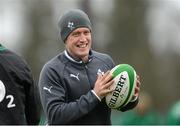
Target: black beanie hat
{"x":72,"y":20}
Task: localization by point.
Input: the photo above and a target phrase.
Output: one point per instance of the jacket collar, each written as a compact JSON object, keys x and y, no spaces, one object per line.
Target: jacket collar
{"x":77,"y":61}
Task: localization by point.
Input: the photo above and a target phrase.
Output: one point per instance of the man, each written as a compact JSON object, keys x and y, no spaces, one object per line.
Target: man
{"x":74,"y":83}
{"x":18,"y":103}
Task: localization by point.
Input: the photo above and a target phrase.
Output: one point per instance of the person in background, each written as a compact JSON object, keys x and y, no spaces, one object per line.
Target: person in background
{"x":73,"y":84}
{"x":18,"y":93}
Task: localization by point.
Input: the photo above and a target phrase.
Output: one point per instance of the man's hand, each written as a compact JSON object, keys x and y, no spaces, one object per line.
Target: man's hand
{"x":102,"y":84}
{"x":137,"y":88}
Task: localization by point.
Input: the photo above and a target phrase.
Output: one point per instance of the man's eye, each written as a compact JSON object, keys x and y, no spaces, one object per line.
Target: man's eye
{"x":86,"y":32}
{"x":75,"y":34}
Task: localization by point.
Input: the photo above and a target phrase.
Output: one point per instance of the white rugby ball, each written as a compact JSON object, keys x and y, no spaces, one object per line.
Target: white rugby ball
{"x":2,"y":91}
{"x":124,"y":84}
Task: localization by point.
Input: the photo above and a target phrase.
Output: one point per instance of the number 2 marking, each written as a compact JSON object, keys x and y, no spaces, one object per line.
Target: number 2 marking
{"x":10,"y":104}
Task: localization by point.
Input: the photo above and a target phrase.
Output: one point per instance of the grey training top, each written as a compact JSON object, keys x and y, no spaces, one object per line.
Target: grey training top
{"x":66,"y":90}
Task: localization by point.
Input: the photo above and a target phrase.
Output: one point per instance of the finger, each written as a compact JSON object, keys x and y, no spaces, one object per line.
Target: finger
{"x":138,"y":77}
{"x":105,"y":75}
{"x":107,"y":85}
{"x":107,"y":91}
{"x":108,"y":78}
{"x":136,"y":95}
{"x":138,"y":83}
{"x":107,"y":72}
{"x":110,"y":90}
{"x":100,"y":76}
{"x":136,"y":92}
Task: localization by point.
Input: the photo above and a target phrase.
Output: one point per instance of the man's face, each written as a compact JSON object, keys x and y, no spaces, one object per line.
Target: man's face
{"x":79,"y":43}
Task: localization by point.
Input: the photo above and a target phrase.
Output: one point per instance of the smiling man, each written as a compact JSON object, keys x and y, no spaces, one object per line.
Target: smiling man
{"x":73,"y":85}
{"x":78,"y":44}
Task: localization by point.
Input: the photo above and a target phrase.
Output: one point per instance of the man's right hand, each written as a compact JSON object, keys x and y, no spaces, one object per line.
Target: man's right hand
{"x":102,"y":84}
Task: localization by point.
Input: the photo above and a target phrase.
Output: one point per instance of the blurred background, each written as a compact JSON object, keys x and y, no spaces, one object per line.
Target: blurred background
{"x":143,"y":33}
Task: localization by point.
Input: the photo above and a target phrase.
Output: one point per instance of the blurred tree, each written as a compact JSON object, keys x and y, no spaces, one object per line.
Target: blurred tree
{"x":41,"y":38}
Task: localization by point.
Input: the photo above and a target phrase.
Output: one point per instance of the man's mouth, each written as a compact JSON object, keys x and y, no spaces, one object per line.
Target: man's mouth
{"x":82,"y":45}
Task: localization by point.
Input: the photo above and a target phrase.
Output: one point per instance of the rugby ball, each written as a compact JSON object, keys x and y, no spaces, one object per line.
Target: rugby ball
{"x":124,"y":84}
{"x":2,"y":91}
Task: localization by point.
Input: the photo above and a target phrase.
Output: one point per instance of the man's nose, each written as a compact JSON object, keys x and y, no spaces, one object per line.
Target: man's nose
{"x":82,"y":38}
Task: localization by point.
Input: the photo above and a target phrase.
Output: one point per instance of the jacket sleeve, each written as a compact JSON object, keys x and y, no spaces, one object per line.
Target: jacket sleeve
{"x":130,"y":105}
{"x":53,"y":97}
{"x":32,"y":101}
